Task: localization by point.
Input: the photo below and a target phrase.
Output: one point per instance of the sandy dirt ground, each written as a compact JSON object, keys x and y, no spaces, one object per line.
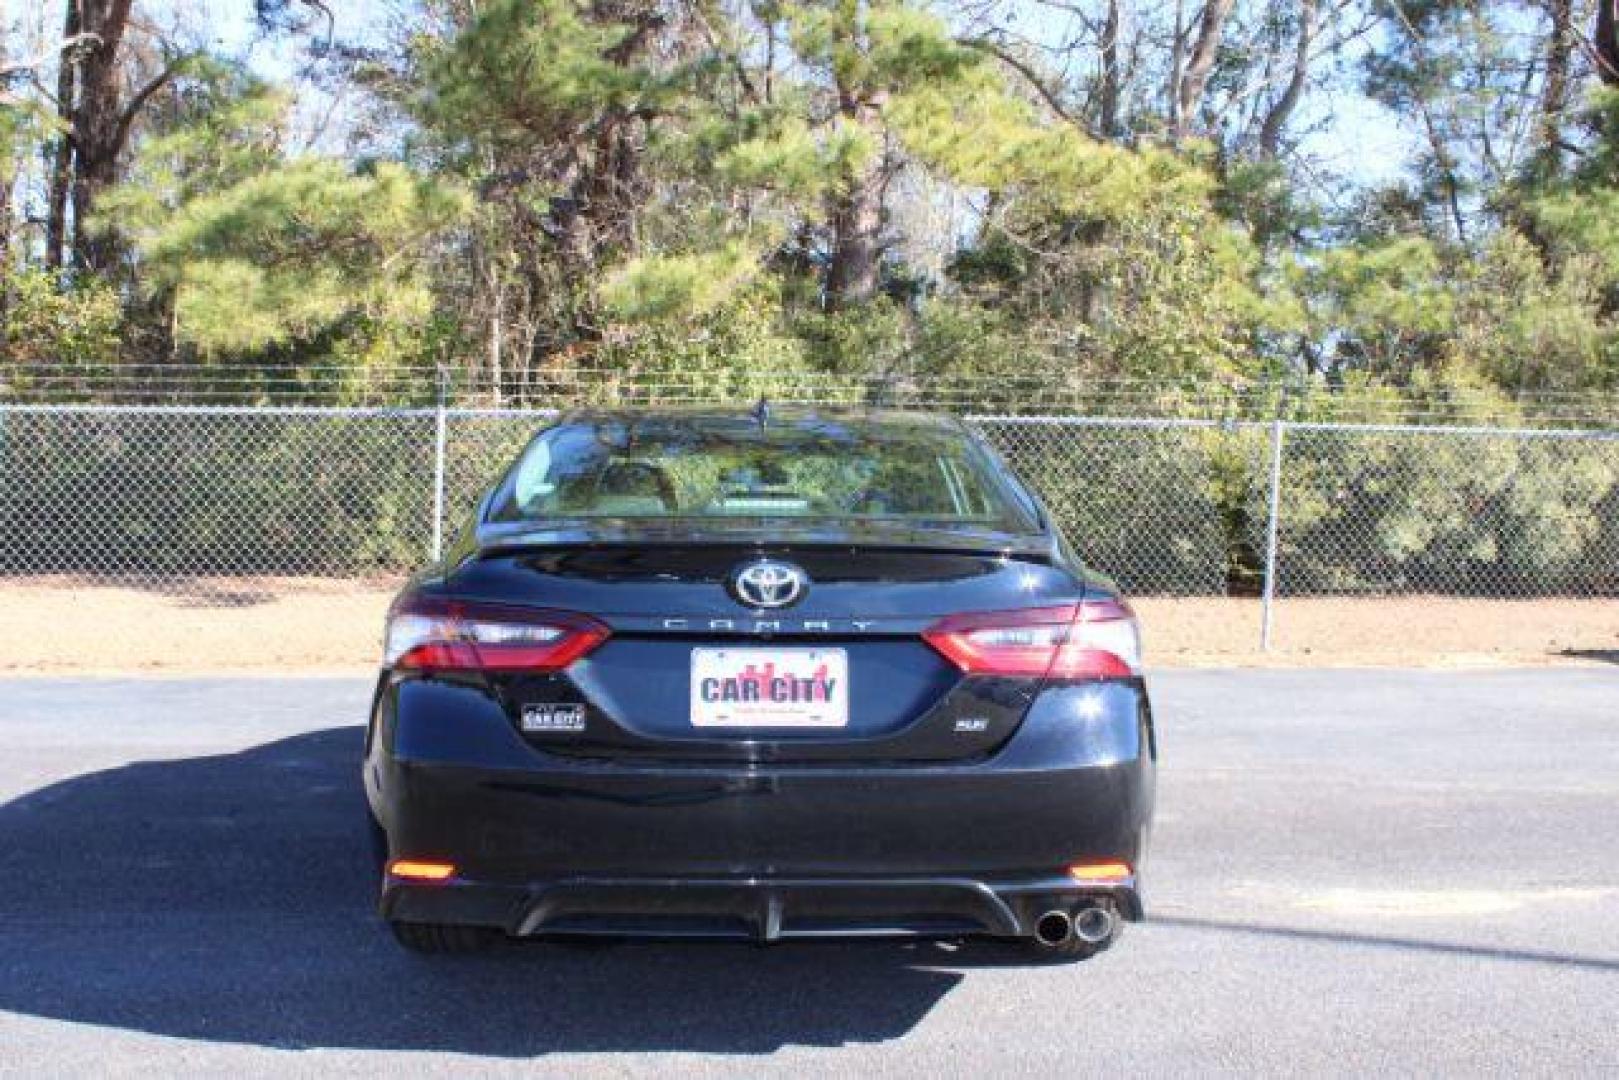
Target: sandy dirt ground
{"x":290,"y":625}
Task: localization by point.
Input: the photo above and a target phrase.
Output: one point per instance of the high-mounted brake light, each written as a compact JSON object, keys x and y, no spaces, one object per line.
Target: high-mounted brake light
{"x":430,"y":634}
{"x":1096,"y":639}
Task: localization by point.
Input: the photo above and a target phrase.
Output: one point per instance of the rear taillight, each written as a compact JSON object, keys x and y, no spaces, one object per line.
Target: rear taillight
{"x":430,"y":634}
{"x":1096,"y":639}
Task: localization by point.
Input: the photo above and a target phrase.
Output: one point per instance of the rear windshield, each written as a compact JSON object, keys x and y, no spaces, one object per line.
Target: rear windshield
{"x":720,"y":467}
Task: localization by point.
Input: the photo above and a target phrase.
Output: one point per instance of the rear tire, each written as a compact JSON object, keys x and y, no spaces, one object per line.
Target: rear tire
{"x":441,"y":939}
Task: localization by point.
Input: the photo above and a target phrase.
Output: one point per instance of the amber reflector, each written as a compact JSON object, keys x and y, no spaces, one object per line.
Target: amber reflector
{"x":1101,"y":871}
{"x":415,"y":870}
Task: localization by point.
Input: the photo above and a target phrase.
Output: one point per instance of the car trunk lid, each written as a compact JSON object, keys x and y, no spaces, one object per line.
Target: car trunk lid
{"x":861,"y":618}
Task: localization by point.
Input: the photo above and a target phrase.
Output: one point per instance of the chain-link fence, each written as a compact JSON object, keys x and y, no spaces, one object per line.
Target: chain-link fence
{"x":1049,"y":382}
{"x":1162,"y":506}
{"x":153,"y":494}
{"x":168,"y":496}
{"x":1453,"y":511}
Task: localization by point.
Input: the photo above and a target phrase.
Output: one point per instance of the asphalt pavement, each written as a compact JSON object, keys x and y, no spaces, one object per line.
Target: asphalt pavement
{"x":1353,"y":871}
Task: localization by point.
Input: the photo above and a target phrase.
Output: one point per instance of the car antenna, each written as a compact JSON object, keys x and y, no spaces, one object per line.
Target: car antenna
{"x":761,"y":412}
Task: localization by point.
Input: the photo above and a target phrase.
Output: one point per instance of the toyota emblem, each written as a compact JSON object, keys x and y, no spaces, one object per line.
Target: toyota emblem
{"x":769,"y":584}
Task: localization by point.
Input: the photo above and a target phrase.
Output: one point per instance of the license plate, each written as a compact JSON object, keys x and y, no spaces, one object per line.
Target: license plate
{"x":769,"y":688}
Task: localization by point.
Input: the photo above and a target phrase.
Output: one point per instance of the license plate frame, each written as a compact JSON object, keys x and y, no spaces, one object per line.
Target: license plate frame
{"x":789,"y":688}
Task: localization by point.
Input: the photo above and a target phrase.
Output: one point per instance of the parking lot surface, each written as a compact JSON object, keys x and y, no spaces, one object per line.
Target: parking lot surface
{"x":1400,"y":872}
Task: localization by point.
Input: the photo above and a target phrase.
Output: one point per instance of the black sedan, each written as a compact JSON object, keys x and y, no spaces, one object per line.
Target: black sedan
{"x":772,"y":674}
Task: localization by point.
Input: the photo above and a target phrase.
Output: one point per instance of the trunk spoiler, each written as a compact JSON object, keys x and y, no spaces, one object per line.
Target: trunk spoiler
{"x":496,"y":541}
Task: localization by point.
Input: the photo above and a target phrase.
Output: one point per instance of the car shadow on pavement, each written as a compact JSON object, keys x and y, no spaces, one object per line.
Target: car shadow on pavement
{"x":1601,"y":656}
{"x":1388,"y":941}
{"x":229,"y":898}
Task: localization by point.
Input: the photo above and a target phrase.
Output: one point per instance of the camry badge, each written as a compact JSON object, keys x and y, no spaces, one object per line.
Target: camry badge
{"x":769,"y":584}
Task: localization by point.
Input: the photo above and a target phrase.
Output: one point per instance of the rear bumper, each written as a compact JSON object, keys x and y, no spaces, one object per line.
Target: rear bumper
{"x":761,"y":909}
{"x":545,"y":843}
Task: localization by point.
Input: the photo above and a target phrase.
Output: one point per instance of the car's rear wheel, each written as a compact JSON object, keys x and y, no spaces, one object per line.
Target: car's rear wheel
{"x":443,"y":938}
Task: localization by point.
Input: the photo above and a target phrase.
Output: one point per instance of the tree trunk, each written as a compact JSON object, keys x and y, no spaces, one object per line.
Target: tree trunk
{"x":1112,"y":74}
{"x":497,"y":334}
{"x":857,"y":217}
{"x":1270,"y":132}
{"x":852,"y":277}
{"x":1554,"y":86}
{"x":1446,"y":164}
{"x":1177,"y":64}
{"x":61,"y":153}
{"x":603,"y":179}
{"x":6,"y":180}
{"x":8,"y":177}
{"x":1607,"y":42}
{"x":614,"y":189}
{"x":100,"y":128}
{"x":1200,"y":63}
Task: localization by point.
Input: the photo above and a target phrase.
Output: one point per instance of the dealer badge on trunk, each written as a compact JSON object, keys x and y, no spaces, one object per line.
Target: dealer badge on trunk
{"x":553,"y":718}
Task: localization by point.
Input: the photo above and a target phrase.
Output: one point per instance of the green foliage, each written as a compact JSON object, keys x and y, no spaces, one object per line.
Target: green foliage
{"x":776,"y":151}
{"x":1171,"y":293}
{"x":232,"y":131}
{"x":1444,"y":513}
{"x":1261,"y":197}
{"x":45,"y":322}
{"x":323,"y":495}
{"x":249,"y":249}
{"x":1583,"y":223}
{"x":565,"y":183}
{"x":872,"y":339}
{"x":738,"y":350}
{"x":669,"y":286}
{"x":24,"y":124}
{"x":535,"y":69}
{"x":1381,"y":304}
{"x":289,"y":252}
{"x":880,"y":44}
{"x":1525,"y":322}
{"x":1599,"y":167}
{"x":627,"y":190}
{"x":963,"y":338}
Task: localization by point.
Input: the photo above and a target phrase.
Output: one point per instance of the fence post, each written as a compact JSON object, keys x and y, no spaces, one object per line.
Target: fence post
{"x":1276,"y":430}
{"x":438,"y":470}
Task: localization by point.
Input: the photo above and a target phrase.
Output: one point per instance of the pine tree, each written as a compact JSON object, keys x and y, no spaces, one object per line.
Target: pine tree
{"x":252,"y":248}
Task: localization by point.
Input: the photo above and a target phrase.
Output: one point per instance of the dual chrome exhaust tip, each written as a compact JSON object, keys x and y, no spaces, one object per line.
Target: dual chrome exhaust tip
{"x":1090,"y":922}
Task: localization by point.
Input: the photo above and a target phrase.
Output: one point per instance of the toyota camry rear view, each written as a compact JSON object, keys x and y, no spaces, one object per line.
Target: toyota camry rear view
{"x":769,"y":674}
